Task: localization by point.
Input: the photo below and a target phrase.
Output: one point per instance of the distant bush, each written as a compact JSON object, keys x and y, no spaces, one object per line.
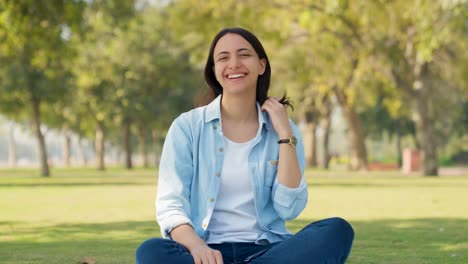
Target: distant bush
{"x":446,"y":161}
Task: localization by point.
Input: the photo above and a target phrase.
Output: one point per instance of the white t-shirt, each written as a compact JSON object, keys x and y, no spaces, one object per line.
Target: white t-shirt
{"x":234,"y":218}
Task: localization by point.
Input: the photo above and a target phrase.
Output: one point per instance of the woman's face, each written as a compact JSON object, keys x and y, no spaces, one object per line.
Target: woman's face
{"x":237,"y":65}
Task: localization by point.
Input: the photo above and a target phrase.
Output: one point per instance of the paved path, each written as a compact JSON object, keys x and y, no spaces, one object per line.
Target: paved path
{"x":453,"y":171}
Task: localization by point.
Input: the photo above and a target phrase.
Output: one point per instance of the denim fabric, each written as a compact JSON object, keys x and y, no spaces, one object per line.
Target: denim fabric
{"x":327,"y":241}
{"x":190,"y":171}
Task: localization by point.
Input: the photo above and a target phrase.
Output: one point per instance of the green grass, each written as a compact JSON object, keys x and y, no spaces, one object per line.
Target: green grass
{"x":81,"y":213}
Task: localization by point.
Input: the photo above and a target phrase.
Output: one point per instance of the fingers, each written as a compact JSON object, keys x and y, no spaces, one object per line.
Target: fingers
{"x":215,"y":257}
{"x":272,"y":104}
{"x":219,"y":257}
{"x":274,"y":107}
{"x":278,"y":115}
{"x":208,"y":256}
{"x":203,"y":259}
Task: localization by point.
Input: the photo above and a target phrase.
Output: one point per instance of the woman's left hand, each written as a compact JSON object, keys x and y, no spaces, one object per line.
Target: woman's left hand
{"x":279,"y":117}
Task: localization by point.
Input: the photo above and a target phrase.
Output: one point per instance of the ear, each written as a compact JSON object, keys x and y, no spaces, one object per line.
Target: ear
{"x":262,"y":65}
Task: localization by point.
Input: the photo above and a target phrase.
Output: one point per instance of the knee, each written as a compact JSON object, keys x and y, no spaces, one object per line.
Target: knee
{"x":145,"y":253}
{"x":342,"y":228}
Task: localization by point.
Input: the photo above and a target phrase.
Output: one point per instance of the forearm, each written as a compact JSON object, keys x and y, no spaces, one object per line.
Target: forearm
{"x":289,"y":171}
{"x":186,"y":236}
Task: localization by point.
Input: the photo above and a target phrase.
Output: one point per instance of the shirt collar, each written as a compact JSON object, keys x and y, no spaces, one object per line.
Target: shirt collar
{"x":213,"y":111}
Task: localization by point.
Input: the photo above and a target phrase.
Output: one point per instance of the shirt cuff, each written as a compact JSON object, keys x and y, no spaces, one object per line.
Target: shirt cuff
{"x":172,"y":222}
{"x":285,"y":196}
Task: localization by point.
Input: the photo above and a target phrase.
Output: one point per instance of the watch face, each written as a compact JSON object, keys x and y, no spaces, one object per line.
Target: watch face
{"x":293,"y":140}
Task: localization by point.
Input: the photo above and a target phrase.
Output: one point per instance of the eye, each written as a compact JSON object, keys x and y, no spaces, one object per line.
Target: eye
{"x":223,"y":58}
{"x":245,"y":55}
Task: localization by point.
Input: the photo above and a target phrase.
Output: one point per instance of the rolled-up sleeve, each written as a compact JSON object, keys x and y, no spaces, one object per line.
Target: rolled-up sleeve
{"x":290,"y":202}
{"x":175,"y":177}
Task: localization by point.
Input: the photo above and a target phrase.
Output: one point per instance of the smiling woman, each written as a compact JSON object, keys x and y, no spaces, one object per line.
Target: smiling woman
{"x":232,"y":173}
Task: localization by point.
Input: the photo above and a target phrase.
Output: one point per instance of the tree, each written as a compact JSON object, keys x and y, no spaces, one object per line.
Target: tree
{"x":351,"y":43}
{"x":143,"y":88}
{"x":95,"y":76}
{"x":34,"y":39}
{"x":422,"y":38}
{"x":329,"y":32}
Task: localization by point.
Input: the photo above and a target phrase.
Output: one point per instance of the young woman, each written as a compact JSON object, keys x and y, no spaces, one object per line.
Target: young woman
{"x":232,"y":173}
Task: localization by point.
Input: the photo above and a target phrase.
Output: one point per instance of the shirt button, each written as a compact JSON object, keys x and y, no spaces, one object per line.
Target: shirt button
{"x":215,"y":127}
{"x":218,"y":174}
{"x":220,"y":149}
{"x":204,"y":226}
{"x":211,"y":199}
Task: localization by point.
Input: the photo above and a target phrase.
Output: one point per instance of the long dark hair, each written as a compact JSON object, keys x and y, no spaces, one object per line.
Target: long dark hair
{"x":263,"y":82}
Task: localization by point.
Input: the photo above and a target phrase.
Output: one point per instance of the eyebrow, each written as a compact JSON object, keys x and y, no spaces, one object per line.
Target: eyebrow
{"x":227,"y":52}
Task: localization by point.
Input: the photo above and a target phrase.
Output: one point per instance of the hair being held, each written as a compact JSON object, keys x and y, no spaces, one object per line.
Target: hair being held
{"x":286,"y":101}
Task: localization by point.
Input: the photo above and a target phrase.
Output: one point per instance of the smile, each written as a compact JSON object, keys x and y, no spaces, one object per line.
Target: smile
{"x":236,"y":75}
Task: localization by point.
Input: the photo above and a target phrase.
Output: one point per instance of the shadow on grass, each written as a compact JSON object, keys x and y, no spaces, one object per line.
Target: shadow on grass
{"x":380,"y":241}
{"x":113,"y":242}
{"x":418,"y":241}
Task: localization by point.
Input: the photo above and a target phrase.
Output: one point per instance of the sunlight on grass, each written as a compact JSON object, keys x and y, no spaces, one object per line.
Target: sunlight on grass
{"x":84,"y":213}
{"x":453,"y":247}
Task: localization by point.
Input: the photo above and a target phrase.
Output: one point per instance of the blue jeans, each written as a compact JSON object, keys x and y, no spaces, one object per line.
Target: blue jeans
{"x":326,"y":241}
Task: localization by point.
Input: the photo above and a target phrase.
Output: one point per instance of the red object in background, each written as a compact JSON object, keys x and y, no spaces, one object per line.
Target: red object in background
{"x":411,"y":160}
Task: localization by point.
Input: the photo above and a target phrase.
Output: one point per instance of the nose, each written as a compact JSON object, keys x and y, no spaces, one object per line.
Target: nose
{"x":234,"y":62}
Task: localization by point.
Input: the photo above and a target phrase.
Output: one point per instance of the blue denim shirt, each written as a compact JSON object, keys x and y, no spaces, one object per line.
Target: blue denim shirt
{"x":190,"y":171}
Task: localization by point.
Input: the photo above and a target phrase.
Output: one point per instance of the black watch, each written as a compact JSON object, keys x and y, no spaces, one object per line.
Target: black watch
{"x":292,"y":141}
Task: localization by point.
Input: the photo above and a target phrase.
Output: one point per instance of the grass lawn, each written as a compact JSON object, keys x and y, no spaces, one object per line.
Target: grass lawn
{"x":81,"y":213}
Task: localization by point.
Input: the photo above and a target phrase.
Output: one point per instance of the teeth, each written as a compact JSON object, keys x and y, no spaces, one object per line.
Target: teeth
{"x":237,"y":75}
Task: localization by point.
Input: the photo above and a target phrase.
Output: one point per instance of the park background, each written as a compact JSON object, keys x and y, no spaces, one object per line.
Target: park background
{"x":89,"y":88}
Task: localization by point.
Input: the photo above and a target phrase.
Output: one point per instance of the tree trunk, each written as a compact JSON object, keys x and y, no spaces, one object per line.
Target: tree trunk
{"x":355,"y":133}
{"x":310,"y":144}
{"x":36,"y":126}
{"x":418,"y":88}
{"x":80,"y":153}
{"x":325,"y":125}
{"x":11,"y":146}
{"x":99,"y":145}
{"x":66,"y":146}
{"x":425,"y":133}
{"x":309,"y":119}
{"x":424,"y":121}
{"x":142,"y":139}
{"x":127,"y":143}
{"x":398,"y":145}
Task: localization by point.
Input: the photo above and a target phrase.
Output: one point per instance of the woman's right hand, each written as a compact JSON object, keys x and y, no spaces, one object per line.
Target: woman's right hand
{"x":200,"y":251}
{"x":203,"y":254}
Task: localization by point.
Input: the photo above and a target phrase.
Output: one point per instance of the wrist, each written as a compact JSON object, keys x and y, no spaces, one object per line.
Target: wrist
{"x":285,"y":134}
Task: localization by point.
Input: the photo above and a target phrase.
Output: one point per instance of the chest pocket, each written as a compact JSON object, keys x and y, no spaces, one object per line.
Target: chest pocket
{"x":271,"y":168}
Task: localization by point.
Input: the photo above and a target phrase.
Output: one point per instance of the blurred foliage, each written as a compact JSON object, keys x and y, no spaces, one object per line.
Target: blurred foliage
{"x":395,"y":66}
